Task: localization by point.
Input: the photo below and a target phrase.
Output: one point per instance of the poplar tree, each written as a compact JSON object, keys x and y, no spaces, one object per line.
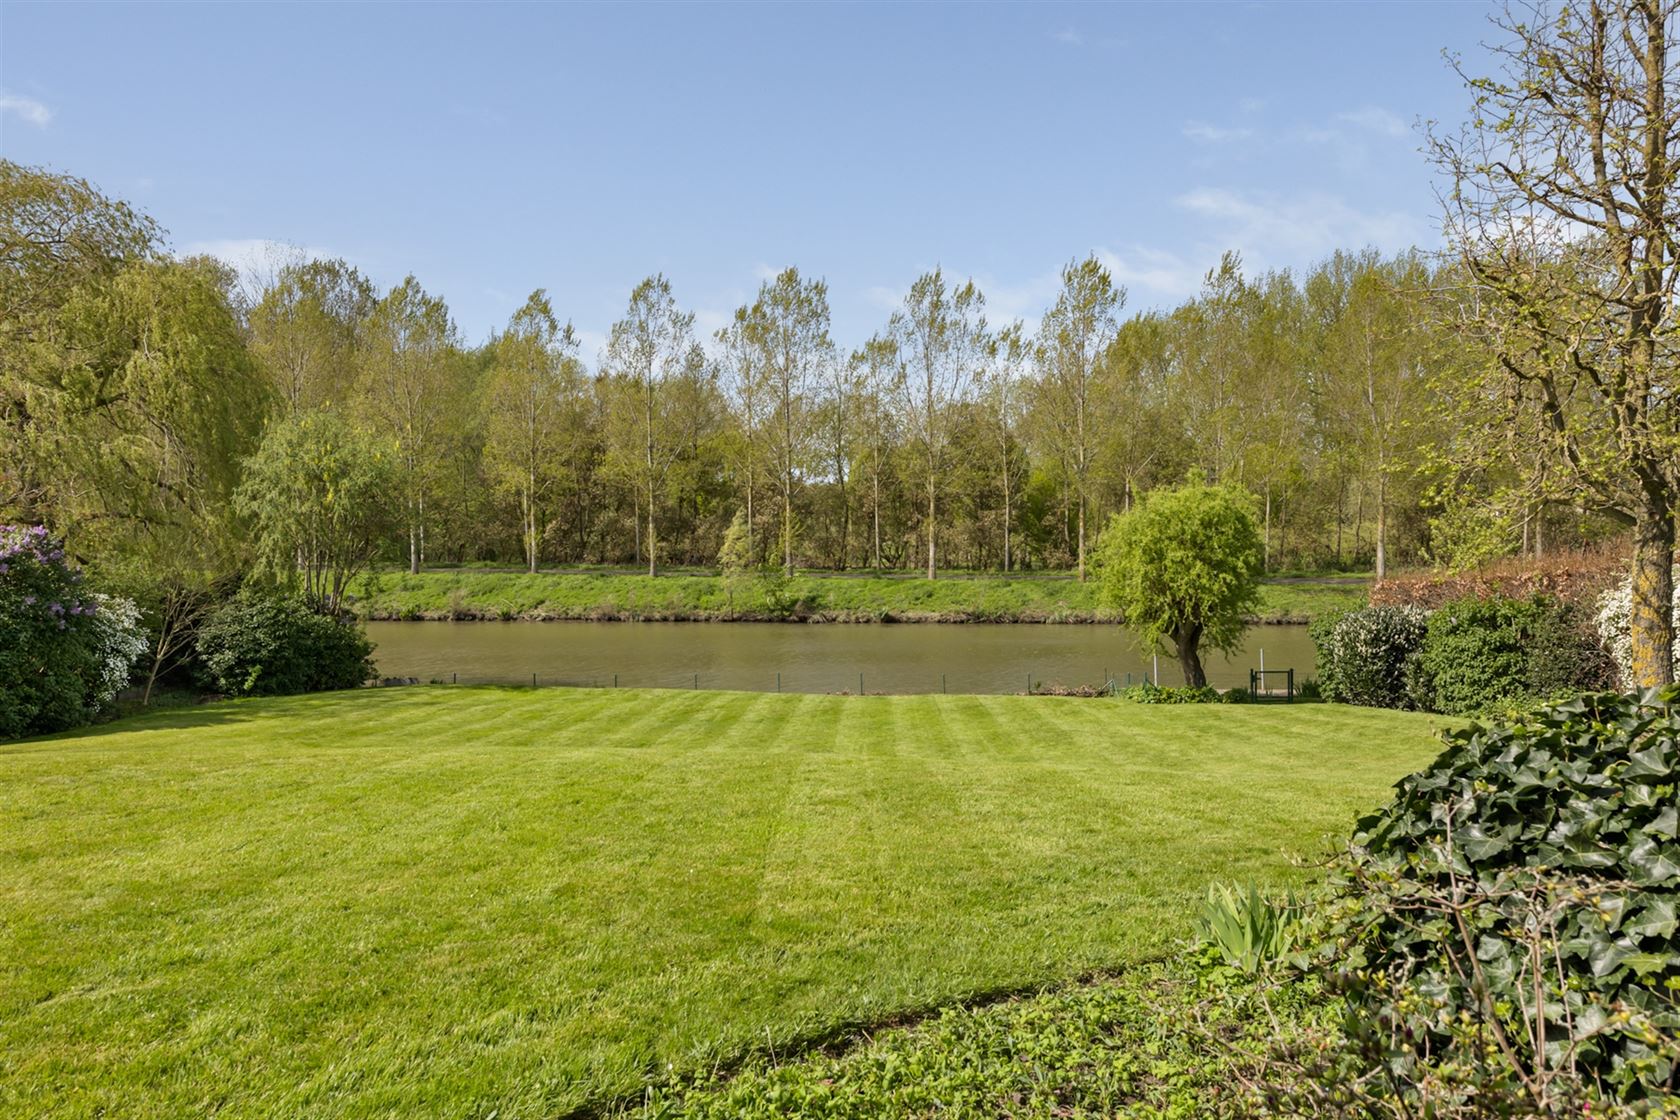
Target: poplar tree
{"x":532,"y":387}
{"x":940,"y":334}
{"x":407,"y":393}
{"x":648,"y":347}
{"x":1072,"y":340}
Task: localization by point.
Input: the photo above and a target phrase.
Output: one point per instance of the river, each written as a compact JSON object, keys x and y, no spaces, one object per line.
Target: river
{"x":918,"y":657}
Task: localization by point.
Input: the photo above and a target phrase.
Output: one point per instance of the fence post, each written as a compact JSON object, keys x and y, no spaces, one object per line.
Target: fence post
{"x":533,"y":680}
{"x":1029,"y":684}
{"x":697,"y":681}
{"x":454,"y":678}
{"x":860,"y":684}
{"x":778,"y":682}
{"x":615,"y":680}
{"x":942,"y":688}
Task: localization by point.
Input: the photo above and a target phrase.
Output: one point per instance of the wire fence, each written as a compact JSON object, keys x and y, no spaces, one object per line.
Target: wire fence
{"x":847,"y":683}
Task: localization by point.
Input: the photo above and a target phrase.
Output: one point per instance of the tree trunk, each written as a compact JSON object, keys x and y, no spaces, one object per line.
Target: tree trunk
{"x":875,"y":507}
{"x":787,"y":523}
{"x":1188,"y":639}
{"x":652,"y":541}
{"x":1652,"y":618}
{"x":845,"y":517}
{"x":530,"y":506}
{"x":1382,"y":525}
{"x":1082,"y":533}
{"x":930,"y":516}
{"x":1006,"y":514}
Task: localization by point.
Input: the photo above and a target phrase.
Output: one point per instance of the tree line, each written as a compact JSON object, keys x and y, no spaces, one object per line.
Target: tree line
{"x":137,"y":388}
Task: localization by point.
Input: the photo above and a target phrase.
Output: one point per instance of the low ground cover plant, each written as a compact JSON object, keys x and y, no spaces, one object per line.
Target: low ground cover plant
{"x":1147,"y":693}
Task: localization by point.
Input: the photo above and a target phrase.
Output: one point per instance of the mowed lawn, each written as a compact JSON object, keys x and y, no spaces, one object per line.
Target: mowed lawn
{"x":466,"y":902}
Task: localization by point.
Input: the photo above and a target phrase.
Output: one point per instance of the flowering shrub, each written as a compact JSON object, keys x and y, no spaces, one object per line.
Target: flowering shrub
{"x":1614,"y":619}
{"x":118,"y":642}
{"x":1364,"y":656}
{"x":48,"y":659}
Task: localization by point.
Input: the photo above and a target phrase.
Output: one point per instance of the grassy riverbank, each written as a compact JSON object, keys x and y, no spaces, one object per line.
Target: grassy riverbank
{"x":448,"y":902}
{"x":472,"y":594}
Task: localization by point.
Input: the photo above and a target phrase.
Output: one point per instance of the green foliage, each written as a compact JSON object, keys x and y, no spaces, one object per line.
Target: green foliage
{"x":613,"y":593}
{"x":1365,"y":656}
{"x":1248,"y":930}
{"x":1482,"y":655}
{"x":49,"y":658}
{"x":1146,"y":693}
{"x":1509,"y":920}
{"x":1184,"y":565}
{"x":139,"y":420}
{"x":262,"y":644}
{"x":319,"y":492}
{"x":1468,"y":534}
{"x":1176,"y":1040}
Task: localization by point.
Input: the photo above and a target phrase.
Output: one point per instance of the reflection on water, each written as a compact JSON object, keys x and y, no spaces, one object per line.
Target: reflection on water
{"x":919,"y":657}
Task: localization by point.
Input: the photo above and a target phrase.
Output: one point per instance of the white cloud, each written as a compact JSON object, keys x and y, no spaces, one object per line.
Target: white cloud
{"x":1151,"y":273}
{"x":1376,"y":120}
{"x":1251,"y":104}
{"x":1068,"y":35}
{"x":592,"y":346}
{"x":765,"y":272}
{"x":1025,"y":301}
{"x":256,"y":260}
{"x":26,"y":108}
{"x":1300,"y":227}
{"x":707,"y":322}
{"x":885,"y":298}
{"x":1213,"y":134}
{"x":254,"y":253}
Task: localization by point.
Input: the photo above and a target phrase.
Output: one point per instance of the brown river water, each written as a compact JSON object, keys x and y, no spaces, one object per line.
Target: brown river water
{"x":901,"y":658}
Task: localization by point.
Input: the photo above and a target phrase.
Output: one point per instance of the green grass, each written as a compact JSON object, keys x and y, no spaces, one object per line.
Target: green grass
{"x":453,"y":902}
{"x":1167,"y":1040}
{"x":466,"y":593}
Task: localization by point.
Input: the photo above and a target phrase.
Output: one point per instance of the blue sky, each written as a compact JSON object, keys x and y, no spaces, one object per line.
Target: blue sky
{"x":493,"y":149}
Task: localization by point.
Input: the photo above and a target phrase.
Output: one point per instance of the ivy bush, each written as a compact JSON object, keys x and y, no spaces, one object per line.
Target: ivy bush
{"x":263,"y":644}
{"x":1507,"y":928}
{"x":1364,"y":656}
{"x":64,"y":651}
